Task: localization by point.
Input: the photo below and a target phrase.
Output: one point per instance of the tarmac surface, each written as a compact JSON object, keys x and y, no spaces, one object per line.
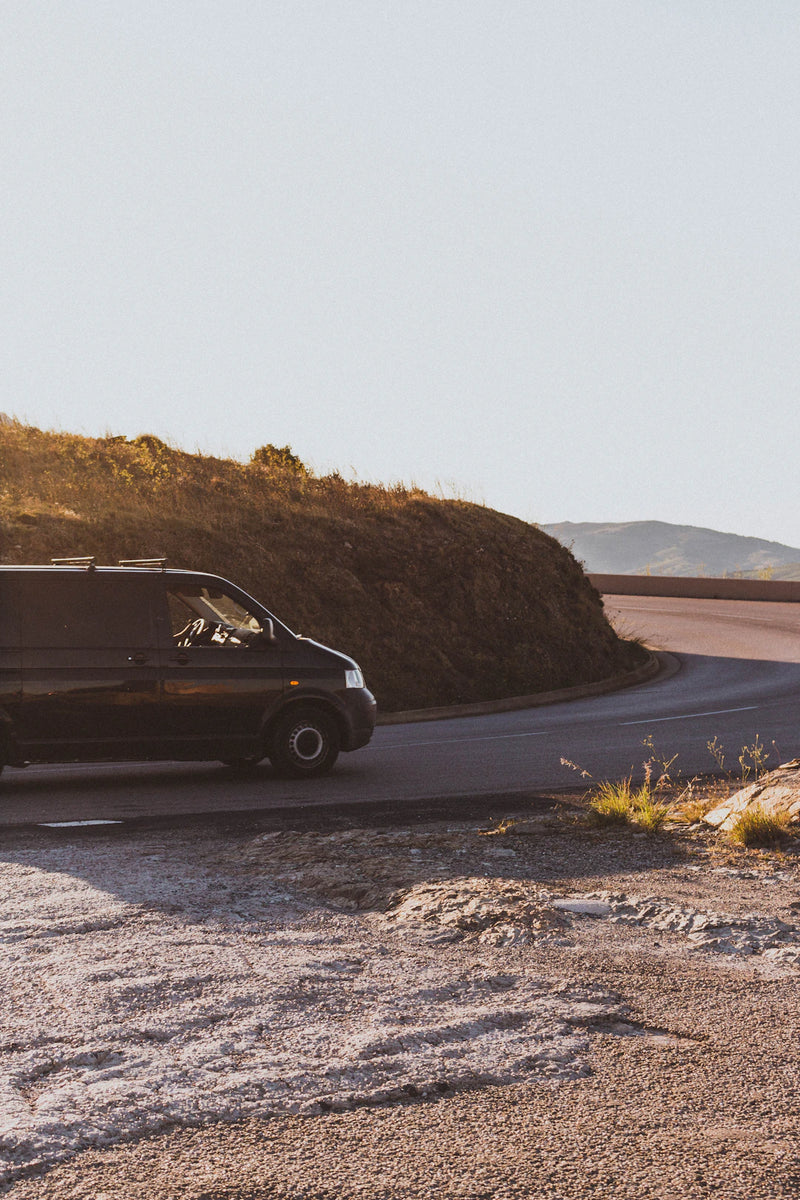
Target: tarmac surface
{"x":734,"y":676}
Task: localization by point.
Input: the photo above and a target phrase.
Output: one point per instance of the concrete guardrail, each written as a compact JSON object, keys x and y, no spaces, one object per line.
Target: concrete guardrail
{"x":779,"y":590}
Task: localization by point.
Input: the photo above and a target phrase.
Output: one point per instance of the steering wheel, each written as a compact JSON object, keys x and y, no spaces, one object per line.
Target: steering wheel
{"x":199,"y":633}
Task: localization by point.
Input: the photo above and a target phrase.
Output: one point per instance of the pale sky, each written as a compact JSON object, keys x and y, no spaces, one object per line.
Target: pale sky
{"x":543,"y":254}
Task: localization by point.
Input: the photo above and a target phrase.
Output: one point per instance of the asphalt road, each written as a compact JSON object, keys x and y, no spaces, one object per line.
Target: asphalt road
{"x":737,"y":680}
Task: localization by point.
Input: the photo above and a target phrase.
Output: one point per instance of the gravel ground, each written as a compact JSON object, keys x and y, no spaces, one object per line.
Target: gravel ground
{"x":448,"y":1009}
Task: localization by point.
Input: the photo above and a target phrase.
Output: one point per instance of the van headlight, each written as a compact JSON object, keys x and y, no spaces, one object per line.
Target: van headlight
{"x":353,"y":678}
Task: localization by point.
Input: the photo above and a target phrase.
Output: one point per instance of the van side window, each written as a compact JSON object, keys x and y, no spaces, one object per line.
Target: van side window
{"x":9,"y":625}
{"x":200,"y":617}
{"x":85,"y":610}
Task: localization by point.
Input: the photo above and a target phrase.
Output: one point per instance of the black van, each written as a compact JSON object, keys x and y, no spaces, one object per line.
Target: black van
{"x":140,"y":662}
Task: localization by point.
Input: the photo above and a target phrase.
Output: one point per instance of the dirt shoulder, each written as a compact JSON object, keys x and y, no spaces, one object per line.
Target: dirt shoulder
{"x":454,"y":1008}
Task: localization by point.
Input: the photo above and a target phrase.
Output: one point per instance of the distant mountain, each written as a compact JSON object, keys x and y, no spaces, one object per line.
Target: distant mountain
{"x":659,"y":548}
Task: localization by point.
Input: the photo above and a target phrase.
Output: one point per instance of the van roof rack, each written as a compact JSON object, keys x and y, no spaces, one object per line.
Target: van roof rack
{"x":153,"y":563}
{"x":88,"y":562}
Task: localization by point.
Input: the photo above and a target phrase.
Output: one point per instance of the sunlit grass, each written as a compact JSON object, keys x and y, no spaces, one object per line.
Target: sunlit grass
{"x":650,"y":814}
{"x":619,"y":803}
{"x":613,"y":803}
{"x":756,"y":828}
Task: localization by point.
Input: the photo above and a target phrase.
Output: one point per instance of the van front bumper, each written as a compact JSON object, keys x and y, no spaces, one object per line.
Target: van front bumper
{"x":360,"y":712}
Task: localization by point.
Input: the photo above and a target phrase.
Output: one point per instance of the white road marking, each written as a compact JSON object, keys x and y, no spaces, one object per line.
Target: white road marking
{"x":717,"y":712}
{"x":70,"y":824}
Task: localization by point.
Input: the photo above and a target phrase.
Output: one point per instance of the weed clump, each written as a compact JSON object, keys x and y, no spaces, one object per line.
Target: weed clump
{"x":756,"y":828}
{"x":613,"y":803}
{"x":619,"y":803}
{"x":753,"y":760}
{"x":650,"y":814}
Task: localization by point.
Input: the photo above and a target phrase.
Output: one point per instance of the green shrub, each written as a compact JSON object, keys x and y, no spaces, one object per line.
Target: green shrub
{"x":278,"y":458}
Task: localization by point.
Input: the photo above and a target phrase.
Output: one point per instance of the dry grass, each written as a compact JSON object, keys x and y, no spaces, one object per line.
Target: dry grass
{"x":694,"y":807}
{"x":441,"y":601}
{"x":619,"y":803}
{"x":755,"y":827}
{"x":613,"y":804}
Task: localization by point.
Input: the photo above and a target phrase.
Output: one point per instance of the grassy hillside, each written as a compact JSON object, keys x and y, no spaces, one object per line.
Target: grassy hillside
{"x":440,"y":601}
{"x":660,"y":548}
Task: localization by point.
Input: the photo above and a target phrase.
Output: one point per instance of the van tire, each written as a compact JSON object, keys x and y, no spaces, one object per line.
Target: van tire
{"x":304,"y":742}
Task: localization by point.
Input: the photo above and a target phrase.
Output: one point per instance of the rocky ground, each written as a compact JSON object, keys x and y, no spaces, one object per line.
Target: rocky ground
{"x":455,"y":1008}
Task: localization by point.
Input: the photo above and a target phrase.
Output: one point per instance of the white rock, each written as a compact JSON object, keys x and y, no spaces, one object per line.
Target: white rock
{"x":586,"y":908}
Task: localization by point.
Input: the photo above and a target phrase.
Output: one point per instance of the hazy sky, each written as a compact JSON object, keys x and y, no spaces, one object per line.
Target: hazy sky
{"x":544,"y":252}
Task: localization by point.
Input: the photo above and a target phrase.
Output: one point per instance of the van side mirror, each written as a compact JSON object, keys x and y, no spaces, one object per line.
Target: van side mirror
{"x":260,"y":641}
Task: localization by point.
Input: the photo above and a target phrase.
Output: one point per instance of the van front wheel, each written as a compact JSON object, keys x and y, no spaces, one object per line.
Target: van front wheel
{"x":305,"y":742}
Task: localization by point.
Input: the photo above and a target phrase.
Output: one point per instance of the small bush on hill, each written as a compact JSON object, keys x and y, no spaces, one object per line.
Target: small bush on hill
{"x":280,"y":457}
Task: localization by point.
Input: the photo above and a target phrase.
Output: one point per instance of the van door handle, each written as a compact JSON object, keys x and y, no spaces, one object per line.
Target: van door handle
{"x":140,"y":658}
{"x":181,"y":659}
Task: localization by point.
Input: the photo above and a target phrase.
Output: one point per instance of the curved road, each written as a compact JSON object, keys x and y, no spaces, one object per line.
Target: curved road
{"x":737,"y":679}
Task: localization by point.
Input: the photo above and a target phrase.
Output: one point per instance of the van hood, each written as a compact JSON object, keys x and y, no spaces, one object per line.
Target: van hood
{"x":317,"y":651}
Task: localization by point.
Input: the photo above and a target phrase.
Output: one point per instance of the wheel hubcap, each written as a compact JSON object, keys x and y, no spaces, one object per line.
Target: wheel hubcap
{"x":306,"y":743}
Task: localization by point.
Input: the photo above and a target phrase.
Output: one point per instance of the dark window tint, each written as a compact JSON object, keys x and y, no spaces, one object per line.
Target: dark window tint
{"x":9,"y":630}
{"x":87,"y":609}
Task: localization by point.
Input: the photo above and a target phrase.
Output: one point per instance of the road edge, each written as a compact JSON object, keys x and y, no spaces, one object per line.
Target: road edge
{"x":655,"y":664}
